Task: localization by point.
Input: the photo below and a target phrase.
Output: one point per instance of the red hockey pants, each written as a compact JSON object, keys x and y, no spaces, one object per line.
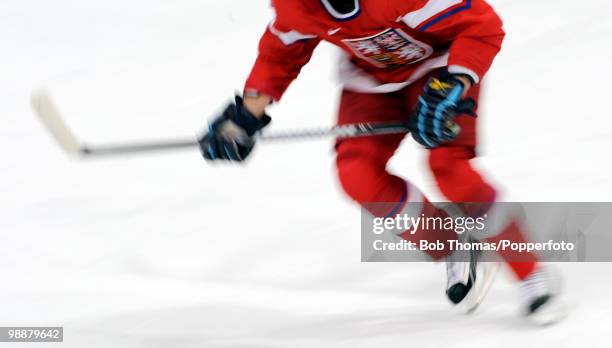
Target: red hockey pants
{"x":361,"y":162}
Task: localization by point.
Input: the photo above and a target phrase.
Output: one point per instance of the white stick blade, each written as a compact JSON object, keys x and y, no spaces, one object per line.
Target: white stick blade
{"x":49,"y":115}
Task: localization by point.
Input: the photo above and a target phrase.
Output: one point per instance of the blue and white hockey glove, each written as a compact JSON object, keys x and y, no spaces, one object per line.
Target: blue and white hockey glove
{"x":230,"y":136}
{"x":433,"y":121}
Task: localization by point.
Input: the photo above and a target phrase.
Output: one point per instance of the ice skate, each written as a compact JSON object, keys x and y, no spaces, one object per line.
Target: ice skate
{"x":541,"y":291}
{"x":468,"y":282}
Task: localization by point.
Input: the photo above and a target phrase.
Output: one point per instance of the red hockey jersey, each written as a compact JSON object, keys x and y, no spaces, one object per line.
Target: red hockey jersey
{"x":388,"y":44}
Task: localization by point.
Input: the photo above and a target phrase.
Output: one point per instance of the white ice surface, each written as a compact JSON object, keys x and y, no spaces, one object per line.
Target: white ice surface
{"x":165,"y":251}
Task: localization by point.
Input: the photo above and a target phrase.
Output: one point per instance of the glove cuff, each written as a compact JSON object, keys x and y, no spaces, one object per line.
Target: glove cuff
{"x":246,"y":120}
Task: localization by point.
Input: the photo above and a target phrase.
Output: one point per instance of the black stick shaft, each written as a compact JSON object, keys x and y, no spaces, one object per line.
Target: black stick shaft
{"x":341,"y":132}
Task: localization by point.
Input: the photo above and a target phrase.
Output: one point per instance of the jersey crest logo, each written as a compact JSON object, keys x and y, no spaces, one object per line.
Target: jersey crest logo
{"x":390,"y":48}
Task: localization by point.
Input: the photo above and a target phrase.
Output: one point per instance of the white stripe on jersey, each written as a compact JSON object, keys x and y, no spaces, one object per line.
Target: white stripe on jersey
{"x":290,"y":37}
{"x":431,"y":8}
{"x":458,"y":69}
{"x":355,"y":79}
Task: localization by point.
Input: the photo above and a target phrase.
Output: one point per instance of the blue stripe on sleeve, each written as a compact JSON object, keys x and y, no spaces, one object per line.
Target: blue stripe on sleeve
{"x":467,"y":6}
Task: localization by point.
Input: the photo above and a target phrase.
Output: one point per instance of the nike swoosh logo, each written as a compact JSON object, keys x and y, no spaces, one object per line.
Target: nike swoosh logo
{"x":331,"y":32}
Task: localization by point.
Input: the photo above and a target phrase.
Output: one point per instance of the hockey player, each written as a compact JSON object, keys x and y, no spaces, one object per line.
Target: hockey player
{"x":414,"y":61}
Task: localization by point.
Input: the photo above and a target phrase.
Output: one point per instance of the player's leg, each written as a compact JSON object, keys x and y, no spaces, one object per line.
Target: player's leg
{"x":459,"y":181}
{"x":463,"y":267}
{"x":362,"y":163}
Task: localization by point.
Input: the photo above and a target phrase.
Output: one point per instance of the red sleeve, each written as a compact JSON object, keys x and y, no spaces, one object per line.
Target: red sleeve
{"x":472,"y":27}
{"x":282,"y":54}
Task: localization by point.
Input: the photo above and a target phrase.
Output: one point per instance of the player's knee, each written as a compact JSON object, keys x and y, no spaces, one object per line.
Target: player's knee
{"x":443,"y":160}
{"x":359,"y":178}
{"x":362,"y":172}
{"x":456,"y":178}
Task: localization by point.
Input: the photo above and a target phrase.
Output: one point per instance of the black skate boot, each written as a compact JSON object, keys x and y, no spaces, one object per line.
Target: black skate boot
{"x":468,"y":281}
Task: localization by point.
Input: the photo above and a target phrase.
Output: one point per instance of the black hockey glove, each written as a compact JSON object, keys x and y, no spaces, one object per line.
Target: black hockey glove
{"x":230,"y":136}
{"x":432,"y":123}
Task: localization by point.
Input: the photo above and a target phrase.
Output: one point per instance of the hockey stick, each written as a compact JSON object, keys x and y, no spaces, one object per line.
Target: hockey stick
{"x":51,"y":118}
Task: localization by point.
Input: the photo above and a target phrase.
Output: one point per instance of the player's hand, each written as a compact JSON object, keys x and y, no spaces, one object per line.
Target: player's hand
{"x":433,"y":121}
{"x":230,"y":136}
